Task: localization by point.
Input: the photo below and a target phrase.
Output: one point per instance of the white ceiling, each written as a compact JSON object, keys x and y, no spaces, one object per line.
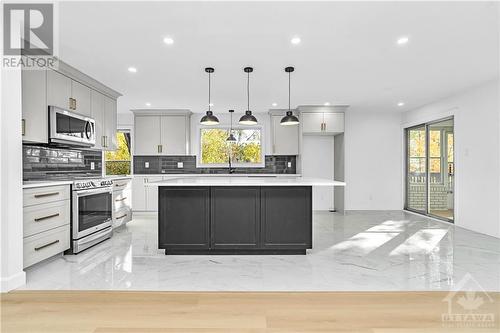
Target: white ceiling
{"x":348,"y":52}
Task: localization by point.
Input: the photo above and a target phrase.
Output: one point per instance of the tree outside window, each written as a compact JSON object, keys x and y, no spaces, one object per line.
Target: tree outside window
{"x":118,"y":162}
{"x":215,"y":150}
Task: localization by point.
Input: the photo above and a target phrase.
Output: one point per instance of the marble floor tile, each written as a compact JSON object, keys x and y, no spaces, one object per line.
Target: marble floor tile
{"x":360,"y":251}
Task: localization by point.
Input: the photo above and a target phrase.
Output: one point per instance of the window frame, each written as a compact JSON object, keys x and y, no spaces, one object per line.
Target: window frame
{"x":130,"y":130}
{"x":200,"y":164}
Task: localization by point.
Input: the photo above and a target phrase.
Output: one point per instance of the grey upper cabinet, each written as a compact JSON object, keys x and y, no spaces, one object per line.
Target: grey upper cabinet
{"x":58,"y":90}
{"x":147,"y":135}
{"x":97,"y":112}
{"x":34,"y":101}
{"x":81,"y":98}
{"x":326,"y":120}
{"x":110,"y":123}
{"x":103,"y":110}
{"x":69,"y":89}
{"x":174,"y":135}
{"x":285,"y":139}
{"x":156,"y":133}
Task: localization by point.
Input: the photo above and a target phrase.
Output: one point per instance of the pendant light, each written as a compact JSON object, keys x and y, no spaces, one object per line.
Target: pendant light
{"x":231,"y":137}
{"x":209,"y":118}
{"x":289,"y":119}
{"x":248,"y":118}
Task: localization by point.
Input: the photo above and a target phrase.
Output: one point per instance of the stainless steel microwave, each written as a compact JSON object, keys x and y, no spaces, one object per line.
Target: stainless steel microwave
{"x":70,"y":128}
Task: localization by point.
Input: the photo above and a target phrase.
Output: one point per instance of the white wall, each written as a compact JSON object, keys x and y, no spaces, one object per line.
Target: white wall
{"x":317,"y":162}
{"x":373,"y":165}
{"x":11,"y":177}
{"x":477,"y":153}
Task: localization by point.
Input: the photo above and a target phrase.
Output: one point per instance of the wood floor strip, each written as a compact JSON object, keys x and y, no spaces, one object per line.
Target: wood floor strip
{"x":236,"y":312}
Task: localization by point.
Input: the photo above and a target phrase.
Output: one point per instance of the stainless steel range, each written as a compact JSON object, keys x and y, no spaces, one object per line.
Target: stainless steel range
{"x":92,"y":213}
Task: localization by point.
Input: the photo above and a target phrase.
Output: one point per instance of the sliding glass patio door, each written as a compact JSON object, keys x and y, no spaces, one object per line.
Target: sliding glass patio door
{"x":430,"y":169}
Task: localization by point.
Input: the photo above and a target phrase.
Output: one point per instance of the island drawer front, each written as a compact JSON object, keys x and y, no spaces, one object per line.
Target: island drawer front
{"x":42,"y":195}
{"x":46,"y":244}
{"x":40,"y":218}
{"x":121,"y":217}
{"x":122,"y":199}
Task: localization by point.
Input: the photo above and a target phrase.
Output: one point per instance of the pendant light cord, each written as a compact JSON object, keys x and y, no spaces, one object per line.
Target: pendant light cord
{"x":248,"y":91}
{"x":289,"y":91}
{"x":209,"y":92}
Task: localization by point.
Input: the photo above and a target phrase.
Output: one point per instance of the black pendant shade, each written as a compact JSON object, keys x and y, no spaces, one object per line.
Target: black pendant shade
{"x":231,"y":137}
{"x":209,"y":118}
{"x":248,"y":118}
{"x":289,"y":119}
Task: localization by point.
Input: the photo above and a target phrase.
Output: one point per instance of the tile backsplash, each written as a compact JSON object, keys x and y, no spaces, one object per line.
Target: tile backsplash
{"x":169,"y":165}
{"x":41,"y":162}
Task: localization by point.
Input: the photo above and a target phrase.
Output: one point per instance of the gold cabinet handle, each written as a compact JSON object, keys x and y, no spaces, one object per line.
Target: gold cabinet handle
{"x":120,"y":217}
{"x":325,"y":126}
{"x":71,"y":103}
{"x":23,"y":127}
{"x":42,"y":195}
{"x":120,"y":185}
{"x":159,"y":148}
{"x":38,"y":219}
{"x":46,"y":245}
{"x":124,"y":198}
{"x":74,"y":104}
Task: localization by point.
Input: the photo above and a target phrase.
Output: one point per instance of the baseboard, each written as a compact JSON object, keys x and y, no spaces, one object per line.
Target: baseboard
{"x":12,"y":282}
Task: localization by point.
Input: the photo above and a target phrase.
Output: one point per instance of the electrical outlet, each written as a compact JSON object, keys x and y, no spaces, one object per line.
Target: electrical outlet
{"x":180,"y":165}
{"x":289,"y":164}
{"x":92,"y":165}
{"x":146,"y":165}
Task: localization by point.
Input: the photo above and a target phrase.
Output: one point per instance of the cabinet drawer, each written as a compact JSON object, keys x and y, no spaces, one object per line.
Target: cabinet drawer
{"x":46,"y":244}
{"x":41,"y":195}
{"x":122,"y":199}
{"x":121,"y":184}
{"x":47,"y":216}
{"x":122,"y":216}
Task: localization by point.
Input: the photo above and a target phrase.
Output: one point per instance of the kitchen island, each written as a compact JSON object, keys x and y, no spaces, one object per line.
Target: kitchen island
{"x":236,"y":215}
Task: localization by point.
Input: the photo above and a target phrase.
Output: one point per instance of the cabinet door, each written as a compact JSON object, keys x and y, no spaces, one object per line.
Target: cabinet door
{"x":334,"y":122}
{"x":235,"y":217}
{"x":110,"y":123}
{"x":58,"y":89}
{"x":82,"y":96}
{"x":183,"y":218}
{"x":35,"y":111}
{"x":285,"y":138}
{"x":311,"y":122}
{"x":138,"y":194}
{"x":147,"y":135}
{"x":173,"y":135}
{"x":286,"y":217}
{"x":97,"y":112}
{"x":152,"y":194}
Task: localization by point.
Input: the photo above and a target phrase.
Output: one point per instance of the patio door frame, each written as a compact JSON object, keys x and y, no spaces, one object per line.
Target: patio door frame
{"x":427,"y":169}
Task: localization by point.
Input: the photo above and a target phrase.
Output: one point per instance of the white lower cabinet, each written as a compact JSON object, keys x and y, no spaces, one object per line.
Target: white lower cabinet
{"x":46,"y":222}
{"x":122,"y":201}
{"x":145,"y":198}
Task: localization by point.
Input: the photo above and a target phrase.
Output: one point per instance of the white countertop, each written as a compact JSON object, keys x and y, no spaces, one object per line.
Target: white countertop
{"x":246,"y":181}
{"x":45,"y":183}
{"x":184,"y":175}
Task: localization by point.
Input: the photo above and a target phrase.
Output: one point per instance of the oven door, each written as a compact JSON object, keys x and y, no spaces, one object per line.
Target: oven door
{"x":92,"y":211}
{"x":67,"y":127}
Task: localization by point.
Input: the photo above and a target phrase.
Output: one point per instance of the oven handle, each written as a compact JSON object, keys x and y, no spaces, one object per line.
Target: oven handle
{"x":84,"y":193}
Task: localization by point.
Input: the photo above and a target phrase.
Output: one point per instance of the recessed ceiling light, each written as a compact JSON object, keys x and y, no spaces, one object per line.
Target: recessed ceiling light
{"x":148,"y":104}
{"x":132,"y":70}
{"x":326,"y":103}
{"x":168,"y":40}
{"x":403,"y":40}
{"x":295,"y":40}
{"x":274,"y":104}
{"x":401,"y":104}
